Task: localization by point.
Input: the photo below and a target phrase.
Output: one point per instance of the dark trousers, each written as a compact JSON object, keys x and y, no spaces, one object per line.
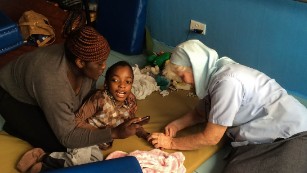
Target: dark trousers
{"x":27,"y":122}
{"x":282,"y":156}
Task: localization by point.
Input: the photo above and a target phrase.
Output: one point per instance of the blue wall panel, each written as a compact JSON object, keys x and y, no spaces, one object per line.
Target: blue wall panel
{"x":269,"y":35}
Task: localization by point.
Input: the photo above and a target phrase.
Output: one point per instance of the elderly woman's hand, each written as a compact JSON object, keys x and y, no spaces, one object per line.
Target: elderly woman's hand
{"x":160,"y":140}
{"x":171,"y":130}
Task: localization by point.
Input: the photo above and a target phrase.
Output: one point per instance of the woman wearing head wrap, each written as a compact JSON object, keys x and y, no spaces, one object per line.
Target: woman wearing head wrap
{"x":243,"y":103}
{"x":107,"y":108}
{"x":41,"y":91}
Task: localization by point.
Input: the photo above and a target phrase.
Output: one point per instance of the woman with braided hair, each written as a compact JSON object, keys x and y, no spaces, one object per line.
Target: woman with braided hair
{"x":41,"y":91}
{"x":107,"y":108}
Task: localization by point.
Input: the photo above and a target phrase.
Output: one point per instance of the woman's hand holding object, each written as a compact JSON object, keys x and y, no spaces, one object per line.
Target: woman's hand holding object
{"x":126,"y":129}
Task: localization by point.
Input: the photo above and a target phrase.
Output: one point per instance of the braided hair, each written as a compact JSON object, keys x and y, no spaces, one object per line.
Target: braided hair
{"x":87,"y":44}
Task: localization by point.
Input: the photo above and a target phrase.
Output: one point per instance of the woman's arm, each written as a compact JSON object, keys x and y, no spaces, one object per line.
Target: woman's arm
{"x":211,"y":135}
{"x":88,"y":109}
{"x":189,"y":119}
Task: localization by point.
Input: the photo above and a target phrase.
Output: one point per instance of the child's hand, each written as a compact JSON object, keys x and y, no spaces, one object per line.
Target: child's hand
{"x":141,"y":133}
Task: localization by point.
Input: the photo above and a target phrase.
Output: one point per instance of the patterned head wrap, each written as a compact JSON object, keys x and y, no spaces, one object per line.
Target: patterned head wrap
{"x":88,"y":45}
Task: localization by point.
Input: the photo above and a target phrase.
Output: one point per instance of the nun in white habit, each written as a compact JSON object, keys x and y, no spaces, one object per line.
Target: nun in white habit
{"x":266,"y":126}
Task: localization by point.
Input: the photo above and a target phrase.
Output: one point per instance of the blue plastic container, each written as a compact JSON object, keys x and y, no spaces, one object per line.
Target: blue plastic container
{"x":10,"y":36}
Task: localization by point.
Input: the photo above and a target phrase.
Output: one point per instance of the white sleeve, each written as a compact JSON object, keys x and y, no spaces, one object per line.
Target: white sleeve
{"x":226,"y":97}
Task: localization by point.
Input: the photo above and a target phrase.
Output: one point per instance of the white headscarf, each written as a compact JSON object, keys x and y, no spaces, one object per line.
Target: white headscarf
{"x":203,"y":60}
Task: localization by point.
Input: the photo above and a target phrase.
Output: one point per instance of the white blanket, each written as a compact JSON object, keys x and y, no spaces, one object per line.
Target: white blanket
{"x":143,"y":84}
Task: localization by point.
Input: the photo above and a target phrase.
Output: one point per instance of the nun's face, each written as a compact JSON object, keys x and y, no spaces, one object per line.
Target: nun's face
{"x":187,"y":77}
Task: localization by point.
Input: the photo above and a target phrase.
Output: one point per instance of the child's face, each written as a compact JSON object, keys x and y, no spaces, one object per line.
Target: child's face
{"x":120,"y":83}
